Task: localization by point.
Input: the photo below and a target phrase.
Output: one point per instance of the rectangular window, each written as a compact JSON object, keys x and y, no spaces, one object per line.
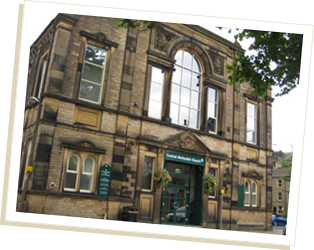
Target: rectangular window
{"x":251,"y":123}
{"x":148,"y":173}
{"x":41,"y":75}
{"x":212,"y":110}
{"x":93,"y":74}
{"x":279,"y":183}
{"x":156,"y":93}
{"x":279,"y":196}
{"x":254,"y":195}
{"x":213,"y":171}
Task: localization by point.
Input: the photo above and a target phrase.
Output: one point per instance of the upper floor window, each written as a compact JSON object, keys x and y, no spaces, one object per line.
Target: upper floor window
{"x":186,"y":90}
{"x":41,"y":75}
{"x":212,"y":110}
{"x":279,"y":183}
{"x":156,"y":93}
{"x":91,"y":84}
{"x":251,"y":123}
{"x":79,"y":175}
{"x":250,"y":194}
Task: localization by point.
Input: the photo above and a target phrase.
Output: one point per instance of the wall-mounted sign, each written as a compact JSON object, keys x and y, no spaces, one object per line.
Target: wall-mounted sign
{"x":185,"y":158}
{"x":104,"y":181}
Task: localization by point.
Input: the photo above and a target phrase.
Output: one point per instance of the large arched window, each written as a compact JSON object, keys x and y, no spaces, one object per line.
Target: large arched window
{"x":186,"y":90}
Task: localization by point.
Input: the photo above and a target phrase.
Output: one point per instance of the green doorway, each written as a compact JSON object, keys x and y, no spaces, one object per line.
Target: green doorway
{"x":182,"y":198}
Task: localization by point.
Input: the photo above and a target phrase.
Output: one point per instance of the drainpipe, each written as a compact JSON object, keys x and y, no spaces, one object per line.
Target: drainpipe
{"x":21,"y":208}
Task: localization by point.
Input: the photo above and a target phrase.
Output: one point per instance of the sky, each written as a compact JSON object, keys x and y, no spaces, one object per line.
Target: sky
{"x":283,"y":134}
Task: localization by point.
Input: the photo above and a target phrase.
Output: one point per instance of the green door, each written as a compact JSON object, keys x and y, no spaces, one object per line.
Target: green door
{"x":181,"y":198}
{"x":175,"y":205}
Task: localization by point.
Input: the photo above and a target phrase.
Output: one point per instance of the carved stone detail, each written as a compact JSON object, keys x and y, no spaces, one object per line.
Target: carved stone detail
{"x":163,"y":38}
{"x":85,"y":144}
{"x":187,"y":142}
{"x":218,"y":63}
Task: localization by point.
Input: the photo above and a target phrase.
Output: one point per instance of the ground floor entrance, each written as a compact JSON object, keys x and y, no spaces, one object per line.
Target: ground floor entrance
{"x":182,"y":198}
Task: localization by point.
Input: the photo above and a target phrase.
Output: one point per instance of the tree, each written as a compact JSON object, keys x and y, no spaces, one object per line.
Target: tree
{"x":276,"y":61}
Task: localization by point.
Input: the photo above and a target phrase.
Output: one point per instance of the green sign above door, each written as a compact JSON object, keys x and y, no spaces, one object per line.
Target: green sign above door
{"x":185,"y":158}
{"x":104,"y":180}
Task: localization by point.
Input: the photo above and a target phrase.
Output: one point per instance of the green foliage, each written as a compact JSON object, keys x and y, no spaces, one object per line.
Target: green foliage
{"x":276,"y":61}
{"x":209,"y":181}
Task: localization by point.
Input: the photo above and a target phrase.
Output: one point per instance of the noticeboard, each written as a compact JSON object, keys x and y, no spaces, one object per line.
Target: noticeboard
{"x":104,"y":181}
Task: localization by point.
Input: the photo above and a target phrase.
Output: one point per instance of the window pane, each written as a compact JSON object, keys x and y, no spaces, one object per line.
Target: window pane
{"x":174,"y":113}
{"x":175,"y":93}
{"x":195,"y":100}
{"x":154,"y":109}
{"x":187,"y":60}
{"x":254,"y":188}
{"x":246,"y":187}
{"x":251,"y":123}
{"x":156,"y":91}
{"x":250,"y":136}
{"x":196,"y":66}
{"x":147,"y":173}
{"x":88,"y":165}
{"x":212,"y":94}
{"x":184,"y":116}
{"x":178,"y":57}
{"x":95,"y":55}
{"x":73,"y":163}
{"x":177,"y":75}
{"x":254,"y":203}
{"x":185,"y":96}
{"x":212,"y":110}
{"x":86,"y":182}
{"x":195,"y":81}
{"x":90,"y":91}
{"x":212,"y":124}
{"x":187,"y":77}
{"x":247,"y":199}
{"x":92,"y":73}
{"x":194,"y":119}
{"x":70,"y":180}
{"x":251,"y":109}
{"x":157,"y":75}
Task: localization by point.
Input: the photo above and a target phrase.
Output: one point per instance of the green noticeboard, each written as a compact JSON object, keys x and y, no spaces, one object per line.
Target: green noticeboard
{"x":184,"y":158}
{"x":104,"y":181}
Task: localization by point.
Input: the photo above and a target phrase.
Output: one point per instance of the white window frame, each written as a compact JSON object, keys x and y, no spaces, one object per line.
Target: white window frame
{"x":101,"y":84}
{"x":151,"y":98}
{"x":180,"y":103}
{"x":248,"y":129}
{"x":216,"y":109}
{"x":79,"y":173}
{"x":152,"y":173}
{"x":87,"y":174}
{"x":254,"y":193}
{"x":247,"y":201}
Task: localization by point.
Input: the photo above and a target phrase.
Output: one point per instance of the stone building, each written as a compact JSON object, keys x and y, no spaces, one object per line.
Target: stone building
{"x":281,"y":185}
{"x":124,"y":102}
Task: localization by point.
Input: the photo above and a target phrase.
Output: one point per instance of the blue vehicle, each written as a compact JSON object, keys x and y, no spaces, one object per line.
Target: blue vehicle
{"x":278,"y":220}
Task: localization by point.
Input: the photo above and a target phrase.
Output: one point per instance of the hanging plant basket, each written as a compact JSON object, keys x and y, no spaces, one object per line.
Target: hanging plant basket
{"x":161,"y":176}
{"x":210,"y":182}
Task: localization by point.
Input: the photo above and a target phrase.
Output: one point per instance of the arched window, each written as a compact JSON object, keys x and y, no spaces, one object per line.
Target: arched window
{"x":186,"y":90}
{"x":247,"y":194}
{"x":254,"y":194}
{"x":79,"y":176}
{"x":87,"y":175}
{"x":72,"y":173}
